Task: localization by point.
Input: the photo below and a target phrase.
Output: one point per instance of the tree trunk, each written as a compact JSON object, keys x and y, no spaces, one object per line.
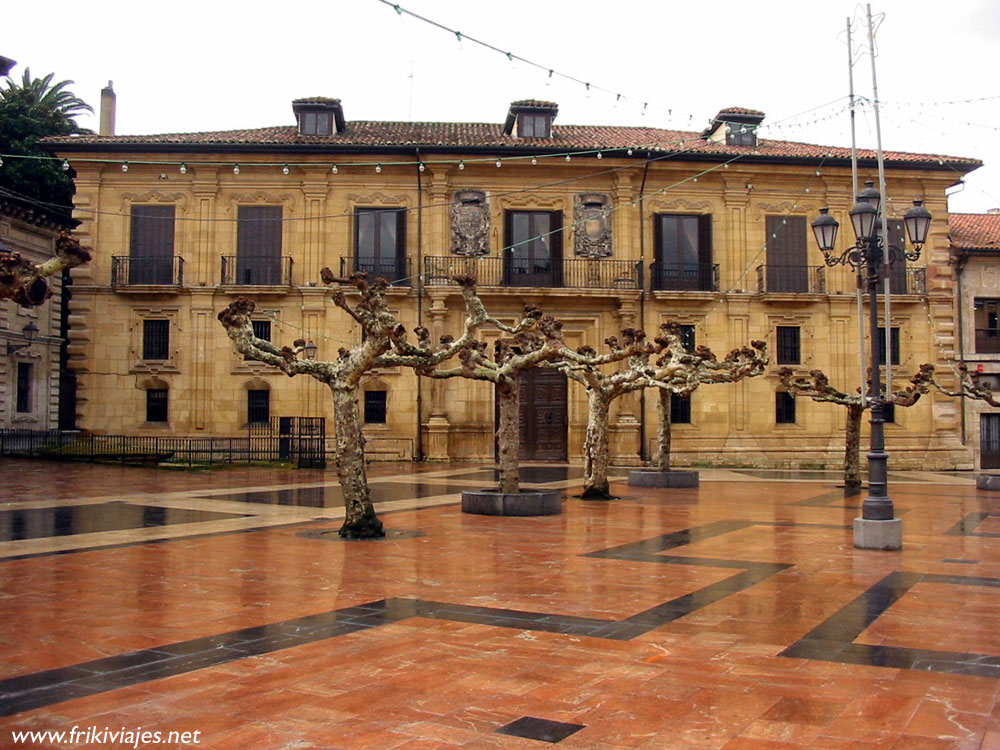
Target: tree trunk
{"x":595,"y":481}
{"x":663,"y":431}
{"x":509,"y":431}
{"x":360,"y":521}
{"x":852,"y":452}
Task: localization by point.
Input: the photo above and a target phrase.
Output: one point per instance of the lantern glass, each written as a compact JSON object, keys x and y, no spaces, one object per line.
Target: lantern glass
{"x":863,"y":218}
{"x":918,"y":223}
{"x":825,"y":228}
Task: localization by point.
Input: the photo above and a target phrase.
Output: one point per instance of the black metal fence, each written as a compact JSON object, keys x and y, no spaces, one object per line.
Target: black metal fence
{"x":256,"y":270}
{"x":572,"y":273}
{"x":145,"y":271}
{"x":304,"y":450}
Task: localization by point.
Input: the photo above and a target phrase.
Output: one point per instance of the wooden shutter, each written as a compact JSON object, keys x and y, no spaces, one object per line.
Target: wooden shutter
{"x":787,"y":270}
{"x":151,"y":245}
{"x":258,"y":245}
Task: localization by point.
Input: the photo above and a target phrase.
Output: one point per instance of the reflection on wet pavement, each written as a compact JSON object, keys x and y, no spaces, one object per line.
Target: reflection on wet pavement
{"x":332,"y":497}
{"x":65,"y":520}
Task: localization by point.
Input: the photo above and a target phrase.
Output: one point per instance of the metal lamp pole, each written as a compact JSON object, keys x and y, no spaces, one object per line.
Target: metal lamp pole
{"x":877,"y":528}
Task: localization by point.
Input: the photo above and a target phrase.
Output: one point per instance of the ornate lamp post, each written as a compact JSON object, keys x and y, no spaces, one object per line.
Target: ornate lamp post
{"x":877,"y":528}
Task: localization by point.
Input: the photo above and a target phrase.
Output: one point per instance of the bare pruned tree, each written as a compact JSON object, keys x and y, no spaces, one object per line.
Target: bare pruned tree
{"x":384,"y":344}
{"x":602,"y":389}
{"x":26,"y":282}
{"x":817,"y":386}
{"x":534,"y":339}
{"x":682,"y":372}
{"x":969,"y":386}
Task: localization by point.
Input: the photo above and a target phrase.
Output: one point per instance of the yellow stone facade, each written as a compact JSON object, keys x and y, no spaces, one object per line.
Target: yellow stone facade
{"x":207,"y":382}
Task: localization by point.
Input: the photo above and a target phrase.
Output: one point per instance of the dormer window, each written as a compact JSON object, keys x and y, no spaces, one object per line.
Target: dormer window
{"x":735,"y":126}
{"x":738,"y":134}
{"x":533,"y":126}
{"x":318,"y":116}
{"x":315,"y":123}
{"x":530,"y":118}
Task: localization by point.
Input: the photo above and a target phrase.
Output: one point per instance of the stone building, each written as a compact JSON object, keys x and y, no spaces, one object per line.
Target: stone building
{"x":975,"y":242}
{"x":601,"y":226}
{"x":30,"y":383}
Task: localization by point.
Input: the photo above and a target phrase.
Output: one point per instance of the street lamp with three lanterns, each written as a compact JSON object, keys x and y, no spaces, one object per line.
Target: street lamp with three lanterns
{"x":877,"y":528}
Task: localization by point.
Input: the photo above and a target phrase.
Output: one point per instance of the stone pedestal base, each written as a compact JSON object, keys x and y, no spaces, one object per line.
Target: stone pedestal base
{"x":436,"y":443}
{"x":667,"y":479}
{"x":887,"y":535}
{"x":524,"y":503}
{"x":988,"y":482}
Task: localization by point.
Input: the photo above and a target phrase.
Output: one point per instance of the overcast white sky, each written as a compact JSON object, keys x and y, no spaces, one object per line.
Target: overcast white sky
{"x":192,"y":66}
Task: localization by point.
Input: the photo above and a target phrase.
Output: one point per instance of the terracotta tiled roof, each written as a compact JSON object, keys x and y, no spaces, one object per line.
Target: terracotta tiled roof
{"x":974,"y":231}
{"x":740,"y":111}
{"x":362,"y":135}
{"x":537,"y":103}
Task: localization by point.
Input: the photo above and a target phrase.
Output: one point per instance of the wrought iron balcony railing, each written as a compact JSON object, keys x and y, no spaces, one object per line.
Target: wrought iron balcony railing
{"x":908,"y":281}
{"x":256,"y":270}
{"x":574,"y":273}
{"x":394,"y":270}
{"x":791,"y":279}
{"x":685,"y":277}
{"x":131,"y":270}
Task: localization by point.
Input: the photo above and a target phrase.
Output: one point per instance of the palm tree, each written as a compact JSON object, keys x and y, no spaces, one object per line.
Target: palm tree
{"x":30,"y":111}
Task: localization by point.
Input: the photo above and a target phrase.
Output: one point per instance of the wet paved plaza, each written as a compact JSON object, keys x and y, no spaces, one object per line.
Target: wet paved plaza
{"x":736,"y":615}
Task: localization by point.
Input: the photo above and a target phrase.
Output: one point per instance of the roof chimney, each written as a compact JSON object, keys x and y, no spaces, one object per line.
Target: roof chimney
{"x":107,"y":110}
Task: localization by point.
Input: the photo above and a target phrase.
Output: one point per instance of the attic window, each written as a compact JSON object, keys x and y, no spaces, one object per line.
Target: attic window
{"x":740,"y":134}
{"x":315,"y":123}
{"x":531,"y":125}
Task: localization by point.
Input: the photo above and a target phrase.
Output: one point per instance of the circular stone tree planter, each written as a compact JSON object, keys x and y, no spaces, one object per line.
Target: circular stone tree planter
{"x":663,"y":479}
{"x":524,"y":503}
{"x":988,"y":482}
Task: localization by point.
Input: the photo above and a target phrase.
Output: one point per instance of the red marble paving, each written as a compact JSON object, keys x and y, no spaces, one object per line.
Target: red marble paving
{"x":709,"y":680}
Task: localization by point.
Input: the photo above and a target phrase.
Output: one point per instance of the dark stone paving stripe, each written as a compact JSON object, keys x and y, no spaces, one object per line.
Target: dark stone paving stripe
{"x":829,"y":641}
{"x":832,"y":640}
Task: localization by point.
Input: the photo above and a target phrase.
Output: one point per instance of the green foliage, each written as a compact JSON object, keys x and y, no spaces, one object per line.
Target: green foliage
{"x":29,"y":111}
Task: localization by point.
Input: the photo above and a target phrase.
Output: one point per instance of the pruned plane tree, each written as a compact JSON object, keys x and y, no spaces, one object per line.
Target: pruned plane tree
{"x":384,"y":344}
{"x":27,"y":283}
{"x":816,"y":385}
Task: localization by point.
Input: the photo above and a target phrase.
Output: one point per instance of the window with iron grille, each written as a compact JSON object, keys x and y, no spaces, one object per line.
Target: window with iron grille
{"x":789,"y":345}
{"x":894,"y":343}
{"x":24,"y":372}
{"x":687,"y":337}
{"x":680,"y":409}
{"x":261,"y":329}
{"x":375,"y":407}
{"x":889,"y":412}
{"x":156,"y":405}
{"x":784,"y":408}
{"x":258,"y":406}
{"x":156,"y":339}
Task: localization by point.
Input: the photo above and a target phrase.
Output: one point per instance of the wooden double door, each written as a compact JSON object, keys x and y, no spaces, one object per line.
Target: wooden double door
{"x":543,"y":417}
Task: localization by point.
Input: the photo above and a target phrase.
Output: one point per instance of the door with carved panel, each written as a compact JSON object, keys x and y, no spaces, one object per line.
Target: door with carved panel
{"x":543,"y":415}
